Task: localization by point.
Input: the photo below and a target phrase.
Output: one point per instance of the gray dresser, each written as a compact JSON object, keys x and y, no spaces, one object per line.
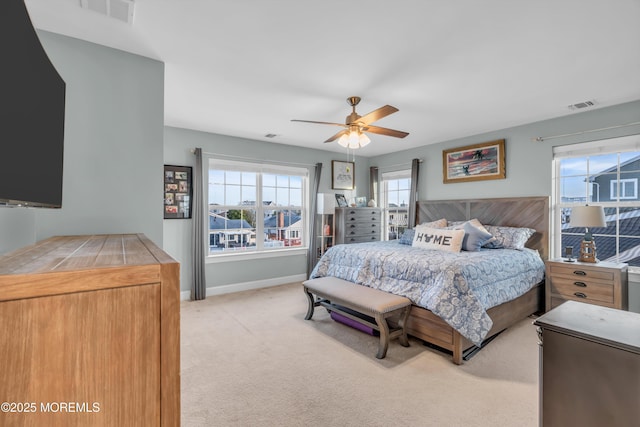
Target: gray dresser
{"x":357,"y":225}
{"x":589,"y":366}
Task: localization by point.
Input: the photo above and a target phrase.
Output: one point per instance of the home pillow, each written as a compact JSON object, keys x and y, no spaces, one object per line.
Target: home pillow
{"x":508,"y":237}
{"x":438,"y":239}
{"x":407,"y":236}
{"x":474,"y":237}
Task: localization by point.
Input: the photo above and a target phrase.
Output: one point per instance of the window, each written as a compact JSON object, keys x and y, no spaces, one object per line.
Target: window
{"x":256,"y":208}
{"x":592,"y":174}
{"x":396,"y":187}
{"x":628,"y":188}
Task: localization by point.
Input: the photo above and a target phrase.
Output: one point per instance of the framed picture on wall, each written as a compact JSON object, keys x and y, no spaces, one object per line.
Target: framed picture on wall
{"x":474,"y":162}
{"x":342,"y":175}
{"x":177,"y":192}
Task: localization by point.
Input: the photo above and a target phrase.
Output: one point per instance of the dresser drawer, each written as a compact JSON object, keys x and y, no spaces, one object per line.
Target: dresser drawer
{"x":583,"y":290}
{"x":581,"y":272}
{"x":361,"y":215}
{"x":362,"y":239}
{"x":360,"y":229}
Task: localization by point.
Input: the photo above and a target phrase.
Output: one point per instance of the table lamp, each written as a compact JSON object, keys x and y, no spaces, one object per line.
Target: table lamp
{"x":587,"y":216}
{"x":326,"y":206}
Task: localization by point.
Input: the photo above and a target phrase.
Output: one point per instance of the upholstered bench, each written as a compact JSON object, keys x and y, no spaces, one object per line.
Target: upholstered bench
{"x":336,"y":294}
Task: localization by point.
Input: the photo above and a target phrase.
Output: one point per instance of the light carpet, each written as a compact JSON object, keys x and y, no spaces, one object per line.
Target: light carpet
{"x":250,"y":359}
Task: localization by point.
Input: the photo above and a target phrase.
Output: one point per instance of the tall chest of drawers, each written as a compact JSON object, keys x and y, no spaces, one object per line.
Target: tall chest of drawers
{"x":357,"y":225}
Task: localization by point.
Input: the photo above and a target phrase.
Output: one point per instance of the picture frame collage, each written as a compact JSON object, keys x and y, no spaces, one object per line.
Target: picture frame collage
{"x":177,"y":192}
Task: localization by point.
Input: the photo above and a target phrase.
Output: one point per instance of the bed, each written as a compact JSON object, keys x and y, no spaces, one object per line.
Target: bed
{"x":459,"y":323}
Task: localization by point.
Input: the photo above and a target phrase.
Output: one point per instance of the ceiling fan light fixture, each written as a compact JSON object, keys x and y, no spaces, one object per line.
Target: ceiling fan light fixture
{"x":354,"y":139}
{"x":364,"y":140}
{"x":344,"y":141}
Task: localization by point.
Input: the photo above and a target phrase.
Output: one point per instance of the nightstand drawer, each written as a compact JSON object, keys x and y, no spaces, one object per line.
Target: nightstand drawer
{"x":580,"y":272}
{"x":603,"y":283}
{"x":582,"y":290}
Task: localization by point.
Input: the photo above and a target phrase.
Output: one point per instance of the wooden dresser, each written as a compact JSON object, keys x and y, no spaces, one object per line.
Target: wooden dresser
{"x":589,"y":366}
{"x":602,"y":283}
{"x":90,"y":333}
{"x":357,"y":225}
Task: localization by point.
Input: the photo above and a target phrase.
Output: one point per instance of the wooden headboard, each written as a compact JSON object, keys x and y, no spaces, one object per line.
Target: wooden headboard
{"x":531,"y":212}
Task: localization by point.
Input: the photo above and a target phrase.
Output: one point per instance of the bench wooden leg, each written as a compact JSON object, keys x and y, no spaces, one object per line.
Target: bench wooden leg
{"x":312,"y":303}
{"x":384,"y":335}
{"x":404,"y":341}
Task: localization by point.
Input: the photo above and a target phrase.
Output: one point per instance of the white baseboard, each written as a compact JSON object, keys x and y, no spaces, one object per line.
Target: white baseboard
{"x":246,"y":286}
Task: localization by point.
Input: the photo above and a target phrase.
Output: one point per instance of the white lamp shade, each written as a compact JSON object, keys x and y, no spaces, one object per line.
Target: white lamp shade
{"x":587,"y":216}
{"x":326,"y":203}
{"x":344,"y":140}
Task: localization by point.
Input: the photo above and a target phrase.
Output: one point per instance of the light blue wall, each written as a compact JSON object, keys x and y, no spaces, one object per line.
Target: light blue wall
{"x":528,"y":174}
{"x":113,"y":155}
{"x":528,"y":163}
{"x":177,"y":233}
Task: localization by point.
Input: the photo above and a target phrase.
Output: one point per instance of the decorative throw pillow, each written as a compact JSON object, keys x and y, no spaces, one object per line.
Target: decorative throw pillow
{"x":509,"y":237}
{"x":440,"y":223}
{"x":407,"y":237}
{"x":474,"y":237}
{"x":438,"y":238}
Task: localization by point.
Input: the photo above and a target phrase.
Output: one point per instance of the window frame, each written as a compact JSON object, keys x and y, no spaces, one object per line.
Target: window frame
{"x":632,"y":181}
{"x":260,"y":169}
{"x":591,"y":149}
{"x":386,"y":211}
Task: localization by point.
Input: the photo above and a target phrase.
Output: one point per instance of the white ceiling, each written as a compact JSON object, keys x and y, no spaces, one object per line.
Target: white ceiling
{"x":453,"y":68}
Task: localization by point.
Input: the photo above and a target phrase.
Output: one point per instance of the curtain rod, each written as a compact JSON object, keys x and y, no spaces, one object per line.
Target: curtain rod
{"x":262,"y":161}
{"x":544,"y":138}
{"x":398,"y":164}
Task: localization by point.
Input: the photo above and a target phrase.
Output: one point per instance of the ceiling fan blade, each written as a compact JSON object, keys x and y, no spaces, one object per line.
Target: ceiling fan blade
{"x":377,"y":114}
{"x":337,"y":135}
{"x":385,"y":131}
{"x":320,"y":123}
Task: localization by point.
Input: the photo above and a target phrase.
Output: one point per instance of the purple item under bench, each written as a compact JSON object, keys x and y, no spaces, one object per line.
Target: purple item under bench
{"x":349,"y":322}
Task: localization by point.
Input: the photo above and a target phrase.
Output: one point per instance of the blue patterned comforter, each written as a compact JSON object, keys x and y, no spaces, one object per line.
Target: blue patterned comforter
{"x":458,"y":287}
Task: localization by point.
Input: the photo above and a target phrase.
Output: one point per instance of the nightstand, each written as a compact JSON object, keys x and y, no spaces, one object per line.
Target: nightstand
{"x":603,"y":283}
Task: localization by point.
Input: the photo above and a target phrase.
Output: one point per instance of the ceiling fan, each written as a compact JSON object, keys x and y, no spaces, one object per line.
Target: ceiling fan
{"x":353,"y":135}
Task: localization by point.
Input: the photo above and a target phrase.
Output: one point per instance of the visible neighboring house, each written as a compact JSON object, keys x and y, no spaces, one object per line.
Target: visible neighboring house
{"x":606,"y":182}
{"x":229,"y":233}
{"x":606,"y":189}
{"x":284,"y":226}
{"x":398,"y":220}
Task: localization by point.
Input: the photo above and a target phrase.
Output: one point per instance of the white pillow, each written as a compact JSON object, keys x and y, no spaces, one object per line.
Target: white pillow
{"x":438,"y":238}
{"x":439,"y":223}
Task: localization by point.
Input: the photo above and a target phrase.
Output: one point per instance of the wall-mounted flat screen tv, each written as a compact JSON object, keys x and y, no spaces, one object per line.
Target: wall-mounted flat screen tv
{"x":32,"y":107}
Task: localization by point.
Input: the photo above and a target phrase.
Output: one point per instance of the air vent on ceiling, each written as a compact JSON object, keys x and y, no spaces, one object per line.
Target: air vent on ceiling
{"x":581,"y":105}
{"x":118,"y":9}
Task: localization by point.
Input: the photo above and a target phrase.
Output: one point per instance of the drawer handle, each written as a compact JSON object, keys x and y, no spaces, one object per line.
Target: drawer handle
{"x":352,"y":226}
{"x":579,"y":294}
{"x":581,"y":284}
{"x":352,"y":219}
{"x":580,"y":273}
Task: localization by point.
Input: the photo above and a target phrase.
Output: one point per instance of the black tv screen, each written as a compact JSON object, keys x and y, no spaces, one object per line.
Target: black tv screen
{"x":32,"y":107}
